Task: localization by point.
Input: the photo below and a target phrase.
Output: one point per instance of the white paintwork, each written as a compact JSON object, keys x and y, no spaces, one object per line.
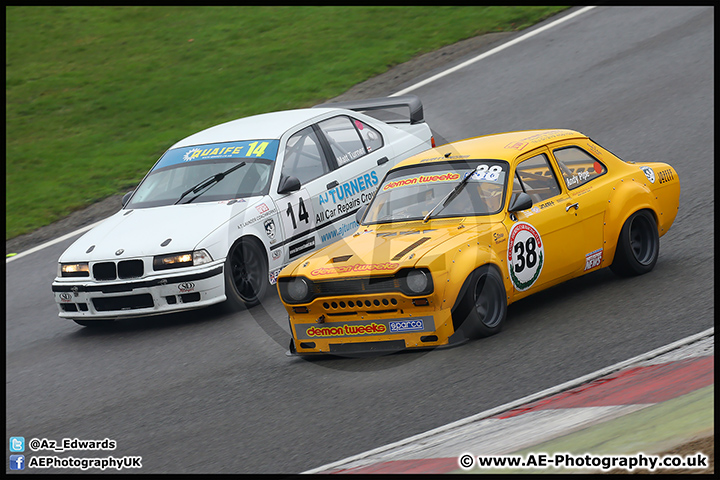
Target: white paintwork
{"x":272,"y":219}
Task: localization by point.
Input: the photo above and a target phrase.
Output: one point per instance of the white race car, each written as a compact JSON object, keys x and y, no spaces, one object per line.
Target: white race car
{"x":224,"y":210}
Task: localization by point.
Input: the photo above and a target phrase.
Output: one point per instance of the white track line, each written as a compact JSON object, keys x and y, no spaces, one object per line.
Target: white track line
{"x":401,"y":92}
{"x":516,"y":403}
{"x":52,"y":242}
{"x":493,"y":51}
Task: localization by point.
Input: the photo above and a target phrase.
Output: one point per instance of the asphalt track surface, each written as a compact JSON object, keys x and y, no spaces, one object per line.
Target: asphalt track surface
{"x":212,"y":392}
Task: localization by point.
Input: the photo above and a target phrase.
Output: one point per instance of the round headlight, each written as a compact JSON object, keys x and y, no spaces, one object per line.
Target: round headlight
{"x":298,"y":288}
{"x":417,"y":281}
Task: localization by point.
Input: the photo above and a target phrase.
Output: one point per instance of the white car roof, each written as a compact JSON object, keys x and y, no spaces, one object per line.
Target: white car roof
{"x":266,"y":126}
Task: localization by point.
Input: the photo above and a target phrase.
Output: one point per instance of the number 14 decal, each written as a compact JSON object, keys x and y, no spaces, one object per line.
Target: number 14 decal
{"x":302,"y":213}
{"x":298,"y":213}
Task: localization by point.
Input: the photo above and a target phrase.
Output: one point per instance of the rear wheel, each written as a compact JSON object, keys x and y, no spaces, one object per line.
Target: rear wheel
{"x":638,"y":246}
{"x":246,"y":275}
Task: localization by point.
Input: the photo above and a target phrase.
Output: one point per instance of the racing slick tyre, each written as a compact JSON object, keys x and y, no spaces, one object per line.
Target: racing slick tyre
{"x":246,"y":275}
{"x":483,"y":304}
{"x":638,"y":246}
{"x":95,"y":323}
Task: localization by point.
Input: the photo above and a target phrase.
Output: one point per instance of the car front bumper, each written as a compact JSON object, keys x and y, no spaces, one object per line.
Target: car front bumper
{"x":168,"y":292}
{"x":344,"y":330}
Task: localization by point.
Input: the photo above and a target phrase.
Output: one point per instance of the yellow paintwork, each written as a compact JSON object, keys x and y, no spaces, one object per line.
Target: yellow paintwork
{"x":573,"y":239}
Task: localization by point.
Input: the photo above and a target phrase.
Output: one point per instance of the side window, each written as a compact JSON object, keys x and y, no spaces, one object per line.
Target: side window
{"x":537,"y":178}
{"x":303,"y":157}
{"x":577,"y":166}
{"x":372,"y":138}
{"x":343,"y":138}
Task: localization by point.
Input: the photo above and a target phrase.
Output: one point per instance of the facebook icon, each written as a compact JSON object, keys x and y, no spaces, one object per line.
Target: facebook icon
{"x":17,"y":462}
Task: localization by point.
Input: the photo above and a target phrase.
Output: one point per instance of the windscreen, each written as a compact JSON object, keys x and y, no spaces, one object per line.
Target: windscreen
{"x":184,"y":168}
{"x":411,"y":193}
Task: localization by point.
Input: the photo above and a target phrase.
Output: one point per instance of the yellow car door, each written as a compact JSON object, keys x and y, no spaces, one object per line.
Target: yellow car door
{"x":545,"y":243}
{"x":583,"y":176}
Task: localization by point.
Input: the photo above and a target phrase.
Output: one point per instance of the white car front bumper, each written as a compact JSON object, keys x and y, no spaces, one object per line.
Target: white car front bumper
{"x":163,"y":292}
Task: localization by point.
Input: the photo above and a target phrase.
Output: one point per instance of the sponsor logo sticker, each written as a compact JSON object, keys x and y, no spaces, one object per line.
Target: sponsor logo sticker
{"x":301,"y":247}
{"x":593,"y":259}
{"x":406,"y":326}
{"x":355,"y":268}
{"x":346,"y":330}
{"x":649,"y":173}
{"x":270,"y":228}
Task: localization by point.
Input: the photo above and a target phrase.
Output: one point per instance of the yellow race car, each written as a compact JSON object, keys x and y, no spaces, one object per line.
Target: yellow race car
{"x":455,"y":234}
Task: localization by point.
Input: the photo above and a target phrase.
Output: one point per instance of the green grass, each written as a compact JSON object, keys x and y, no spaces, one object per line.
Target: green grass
{"x":94,"y":95}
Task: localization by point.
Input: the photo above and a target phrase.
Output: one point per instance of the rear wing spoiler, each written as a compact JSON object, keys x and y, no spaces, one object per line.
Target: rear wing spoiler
{"x":387,"y":109}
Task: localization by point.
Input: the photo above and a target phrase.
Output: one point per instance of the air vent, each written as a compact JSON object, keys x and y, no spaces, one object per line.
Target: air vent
{"x":343,"y":258}
{"x":410,"y":248}
{"x":104,"y":271}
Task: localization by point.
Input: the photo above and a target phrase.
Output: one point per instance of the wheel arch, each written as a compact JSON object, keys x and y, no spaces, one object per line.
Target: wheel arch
{"x":249,"y":237}
{"x":460,"y":311}
{"x":627,"y":198}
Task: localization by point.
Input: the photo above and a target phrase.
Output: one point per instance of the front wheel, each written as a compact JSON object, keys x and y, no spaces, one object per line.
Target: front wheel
{"x":484,"y":304}
{"x":638,"y":246}
{"x":246,"y":275}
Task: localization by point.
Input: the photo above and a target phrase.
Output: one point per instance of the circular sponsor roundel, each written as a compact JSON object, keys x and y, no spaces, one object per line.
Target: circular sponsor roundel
{"x":525,"y":255}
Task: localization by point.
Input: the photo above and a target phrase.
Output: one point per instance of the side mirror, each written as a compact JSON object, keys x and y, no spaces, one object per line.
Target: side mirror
{"x":288,"y":185}
{"x":126,"y":198}
{"x":521,"y":202}
{"x":360,"y":213}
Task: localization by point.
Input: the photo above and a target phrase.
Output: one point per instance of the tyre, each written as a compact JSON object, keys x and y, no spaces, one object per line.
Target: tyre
{"x":246,"y":275}
{"x":638,"y":246}
{"x":95,"y":323}
{"x":483,"y":307}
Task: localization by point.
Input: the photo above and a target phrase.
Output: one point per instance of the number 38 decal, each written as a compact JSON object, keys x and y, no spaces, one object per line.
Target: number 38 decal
{"x":525,"y":255}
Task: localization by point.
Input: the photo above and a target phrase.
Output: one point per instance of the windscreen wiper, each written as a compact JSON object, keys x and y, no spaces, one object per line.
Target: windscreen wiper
{"x":208,"y":182}
{"x":453,"y":193}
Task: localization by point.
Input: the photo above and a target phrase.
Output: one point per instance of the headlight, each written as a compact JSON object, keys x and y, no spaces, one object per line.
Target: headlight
{"x":295,"y":290}
{"x":178,"y":260}
{"x":74,"y":270}
{"x":417,"y":281}
{"x":298,"y":288}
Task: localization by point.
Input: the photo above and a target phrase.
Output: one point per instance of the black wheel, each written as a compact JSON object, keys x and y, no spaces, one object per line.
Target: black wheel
{"x":95,"y":323}
{"x":246,"y":275}
{"x":484,"y":304}
{"x":638,"y":246}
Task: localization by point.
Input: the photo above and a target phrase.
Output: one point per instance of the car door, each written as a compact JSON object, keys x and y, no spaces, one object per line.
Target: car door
{"x":542,"y":250}
{"x":359,"y":156}
{"x":582,"y":173}
{"x":305,"y":159}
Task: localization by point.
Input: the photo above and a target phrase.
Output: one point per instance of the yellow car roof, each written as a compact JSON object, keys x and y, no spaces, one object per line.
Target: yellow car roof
{"x":500,"y":146}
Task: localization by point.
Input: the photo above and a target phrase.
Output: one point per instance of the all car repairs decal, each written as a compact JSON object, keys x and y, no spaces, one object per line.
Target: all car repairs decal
{"x":266,"y":149}
{"x":340,"y":199}
{"x":525,"y":255}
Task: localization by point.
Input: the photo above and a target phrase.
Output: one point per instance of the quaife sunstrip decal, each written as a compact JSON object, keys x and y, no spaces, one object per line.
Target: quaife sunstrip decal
{"x":266,"y":149}
{"x":525,"y":255}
